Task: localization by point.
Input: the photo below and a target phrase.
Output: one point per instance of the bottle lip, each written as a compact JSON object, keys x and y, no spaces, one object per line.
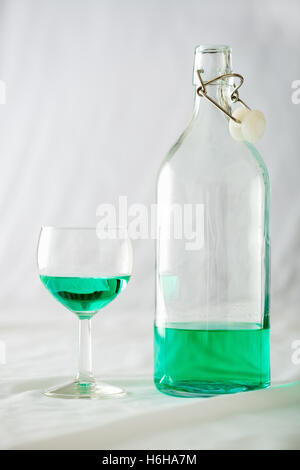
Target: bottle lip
{"x":212,"y":48}
{"x":213,"y":59}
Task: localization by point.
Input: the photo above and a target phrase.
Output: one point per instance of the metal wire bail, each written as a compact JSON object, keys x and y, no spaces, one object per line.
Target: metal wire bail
{"x":202,"y":91}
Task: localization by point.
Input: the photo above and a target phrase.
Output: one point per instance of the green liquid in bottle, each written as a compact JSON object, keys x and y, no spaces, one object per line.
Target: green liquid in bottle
{"x":85,"y":295}
{"x":202,"y":360}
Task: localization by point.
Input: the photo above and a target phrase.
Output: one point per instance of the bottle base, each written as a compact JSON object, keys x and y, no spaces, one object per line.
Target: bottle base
{"x":206,"y":389}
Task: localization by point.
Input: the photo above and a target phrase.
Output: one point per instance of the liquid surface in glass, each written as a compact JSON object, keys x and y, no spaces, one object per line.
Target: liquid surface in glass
{"x":85,"y":295}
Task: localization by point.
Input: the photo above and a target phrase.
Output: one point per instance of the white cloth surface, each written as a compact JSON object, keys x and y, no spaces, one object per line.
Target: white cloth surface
{"x":42,"y":353}
{"x":146,"y":419}
{"x":96,"y":93}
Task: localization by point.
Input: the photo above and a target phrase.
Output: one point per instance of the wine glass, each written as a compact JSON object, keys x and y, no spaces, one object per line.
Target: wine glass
{"x":84,"y":269}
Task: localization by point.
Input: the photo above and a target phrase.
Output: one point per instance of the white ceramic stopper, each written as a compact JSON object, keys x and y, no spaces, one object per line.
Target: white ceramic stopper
{"x":253,"y":126}
{"x":235,"y":128}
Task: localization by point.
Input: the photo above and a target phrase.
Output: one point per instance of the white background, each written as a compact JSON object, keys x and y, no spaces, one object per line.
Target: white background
{"x":96,"y":93}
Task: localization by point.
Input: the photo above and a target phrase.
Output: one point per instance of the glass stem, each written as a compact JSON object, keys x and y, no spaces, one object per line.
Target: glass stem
{"x":85,"y":374}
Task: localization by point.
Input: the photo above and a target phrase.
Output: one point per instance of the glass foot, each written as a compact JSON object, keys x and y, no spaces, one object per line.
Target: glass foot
{"x":91,"y":390}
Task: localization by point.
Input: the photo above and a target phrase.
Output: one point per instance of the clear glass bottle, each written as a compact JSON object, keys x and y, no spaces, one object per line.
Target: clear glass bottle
{"x":212,"y":294}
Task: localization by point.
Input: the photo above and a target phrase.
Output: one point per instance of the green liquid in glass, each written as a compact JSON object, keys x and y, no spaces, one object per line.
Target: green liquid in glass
{"x":85,"y":295}
{"x":203,"y":360}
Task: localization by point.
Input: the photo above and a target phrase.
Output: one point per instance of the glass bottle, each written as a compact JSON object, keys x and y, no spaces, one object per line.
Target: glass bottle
{"x":213,"y":253}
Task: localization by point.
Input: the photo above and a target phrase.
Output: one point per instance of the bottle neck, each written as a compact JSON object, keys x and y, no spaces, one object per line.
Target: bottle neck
{"x":220,"y":93}
{"x":212,"y":61}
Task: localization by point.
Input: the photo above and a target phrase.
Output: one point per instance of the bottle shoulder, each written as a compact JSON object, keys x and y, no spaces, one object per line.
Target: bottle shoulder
{"x":210,"y":154}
